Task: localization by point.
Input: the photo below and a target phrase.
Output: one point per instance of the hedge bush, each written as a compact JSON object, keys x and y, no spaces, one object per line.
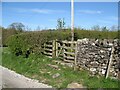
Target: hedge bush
{"x":25,"y":43}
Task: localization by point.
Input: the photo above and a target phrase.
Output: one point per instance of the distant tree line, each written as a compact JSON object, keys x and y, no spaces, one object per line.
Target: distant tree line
{"x":95,"y":32}
{"x":104,"y":28}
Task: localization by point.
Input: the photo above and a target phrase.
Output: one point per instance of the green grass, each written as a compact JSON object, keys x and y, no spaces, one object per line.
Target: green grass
{"x":36,"y":67}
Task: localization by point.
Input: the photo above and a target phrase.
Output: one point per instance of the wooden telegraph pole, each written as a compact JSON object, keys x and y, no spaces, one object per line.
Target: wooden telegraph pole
{"x":72,"y":20}
{"x":72,"y":30}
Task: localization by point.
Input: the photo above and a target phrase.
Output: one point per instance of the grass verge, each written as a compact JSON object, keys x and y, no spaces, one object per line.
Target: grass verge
{"x":36,"y":67}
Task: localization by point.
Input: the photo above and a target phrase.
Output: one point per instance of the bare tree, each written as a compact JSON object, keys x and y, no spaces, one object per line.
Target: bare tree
{"x":114,"y":28}
{"x":105,"y":29}
{"x":17,"y":26}
{"x":38,"y":28}
{"x":96,"y":28}
{"x":60,"y":24}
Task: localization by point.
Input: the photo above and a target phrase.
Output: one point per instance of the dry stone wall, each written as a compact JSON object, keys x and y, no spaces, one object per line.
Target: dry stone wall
{"x":115,"y":66}
{"x":94,"y":56}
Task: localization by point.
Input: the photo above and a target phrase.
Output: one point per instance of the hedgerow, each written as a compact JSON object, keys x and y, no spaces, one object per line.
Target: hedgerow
{"x":25,"y":43}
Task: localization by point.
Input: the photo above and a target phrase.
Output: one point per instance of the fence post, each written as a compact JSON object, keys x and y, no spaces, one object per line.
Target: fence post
{"x":109,"y":63}
{"x":56,"y":48}
{"x":75,"y":63}
{"x":44,"y":48}
{"x":53,"y":48}
{"x":63,"y":51}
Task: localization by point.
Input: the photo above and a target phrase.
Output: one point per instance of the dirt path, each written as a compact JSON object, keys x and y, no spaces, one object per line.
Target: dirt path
{"x":10,"y":79}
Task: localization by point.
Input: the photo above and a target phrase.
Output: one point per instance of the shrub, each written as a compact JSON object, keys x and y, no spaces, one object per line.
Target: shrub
{"x":25,"y":43}
{"x":6,"y":33}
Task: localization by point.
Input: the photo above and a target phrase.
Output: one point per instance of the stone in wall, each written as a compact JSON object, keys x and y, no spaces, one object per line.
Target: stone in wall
{"x":94,"y":55}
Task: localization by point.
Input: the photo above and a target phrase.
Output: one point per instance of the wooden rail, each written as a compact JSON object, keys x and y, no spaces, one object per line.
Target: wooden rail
{"x":65,"y":50}
{"x":48,"y":49}
{"x":70,"y":52}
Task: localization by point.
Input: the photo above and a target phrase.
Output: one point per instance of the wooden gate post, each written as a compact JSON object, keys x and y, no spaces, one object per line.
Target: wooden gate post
{"x":75,"y":63}
{"x":110,"y":61}
{"x":53,"y":49}
{"x":56,"y":48}
{"x":44,"y":47}
{"x":63,"y":52}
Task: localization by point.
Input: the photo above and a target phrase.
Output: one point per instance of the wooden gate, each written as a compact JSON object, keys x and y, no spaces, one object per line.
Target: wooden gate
{"x":64,"y":50}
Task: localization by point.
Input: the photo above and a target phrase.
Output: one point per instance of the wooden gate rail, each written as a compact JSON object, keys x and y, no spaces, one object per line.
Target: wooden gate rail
{"x":69,"y":51}
{"x":48,"y":49}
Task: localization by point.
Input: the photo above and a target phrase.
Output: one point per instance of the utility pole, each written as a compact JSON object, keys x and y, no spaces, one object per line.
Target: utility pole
{"x":72,"y":30}
{"x":72,"y":19}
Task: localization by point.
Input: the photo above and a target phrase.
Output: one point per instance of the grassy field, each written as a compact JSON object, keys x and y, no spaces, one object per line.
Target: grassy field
{"x":36,"y":67}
